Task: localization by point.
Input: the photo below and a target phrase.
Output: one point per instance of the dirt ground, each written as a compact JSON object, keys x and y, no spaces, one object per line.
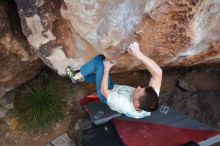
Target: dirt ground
{"x":202,"y":105}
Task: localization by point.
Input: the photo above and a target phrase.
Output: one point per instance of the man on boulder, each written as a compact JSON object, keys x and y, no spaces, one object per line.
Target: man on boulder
{"x":133,"y":102}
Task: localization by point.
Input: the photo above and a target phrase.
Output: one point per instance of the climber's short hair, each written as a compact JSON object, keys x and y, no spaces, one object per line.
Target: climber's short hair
{"x":149,"y":101}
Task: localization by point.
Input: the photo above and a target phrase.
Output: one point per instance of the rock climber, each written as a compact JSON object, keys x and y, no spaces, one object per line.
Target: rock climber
{"x":133,"y":102}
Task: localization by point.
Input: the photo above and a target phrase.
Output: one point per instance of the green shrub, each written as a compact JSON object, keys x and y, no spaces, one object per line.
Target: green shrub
{"x":40,"y":105}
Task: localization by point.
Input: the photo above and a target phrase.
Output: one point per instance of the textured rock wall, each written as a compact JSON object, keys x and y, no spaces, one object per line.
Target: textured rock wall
{"x":17,"y":62}
{"x":172,"y":32}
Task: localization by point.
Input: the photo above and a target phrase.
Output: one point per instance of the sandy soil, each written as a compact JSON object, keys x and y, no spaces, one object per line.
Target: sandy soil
{"x":202,"y":105}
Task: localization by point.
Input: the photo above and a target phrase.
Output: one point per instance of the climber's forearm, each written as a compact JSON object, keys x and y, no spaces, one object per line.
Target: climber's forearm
{"x":153,"y":68}
{"x":104,"y":85}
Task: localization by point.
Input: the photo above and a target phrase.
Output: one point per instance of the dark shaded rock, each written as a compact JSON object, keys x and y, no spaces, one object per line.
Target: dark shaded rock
{"x":186,"y":87}
{"x":82,"y":124}
{"x":203,"y":106}
{"x":3,"y":112}
{"x":18,"y":62}
{"x":7,"y":100}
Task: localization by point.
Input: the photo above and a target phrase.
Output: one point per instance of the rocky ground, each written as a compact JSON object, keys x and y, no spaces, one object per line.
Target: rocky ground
{"x":194,"y":91}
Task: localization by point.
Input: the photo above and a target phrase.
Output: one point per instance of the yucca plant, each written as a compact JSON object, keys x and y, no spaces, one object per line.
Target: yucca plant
{"x":40,"y":105}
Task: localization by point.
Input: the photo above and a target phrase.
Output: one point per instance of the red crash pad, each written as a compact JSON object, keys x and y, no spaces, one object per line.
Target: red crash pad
{"x":135,"y":133}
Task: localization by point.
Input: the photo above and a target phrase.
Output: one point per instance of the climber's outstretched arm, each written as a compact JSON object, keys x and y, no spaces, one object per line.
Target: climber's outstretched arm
{"x":153,"y":68}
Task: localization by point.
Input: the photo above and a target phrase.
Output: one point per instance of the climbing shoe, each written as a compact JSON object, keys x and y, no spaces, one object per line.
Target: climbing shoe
{"x":75,"y":76}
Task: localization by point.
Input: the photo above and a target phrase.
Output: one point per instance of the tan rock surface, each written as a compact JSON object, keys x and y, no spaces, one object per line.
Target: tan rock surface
{"x":172,"y":32}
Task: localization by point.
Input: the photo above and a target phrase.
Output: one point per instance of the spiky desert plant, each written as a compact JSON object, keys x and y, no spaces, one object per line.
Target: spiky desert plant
{"x":40,"y":105}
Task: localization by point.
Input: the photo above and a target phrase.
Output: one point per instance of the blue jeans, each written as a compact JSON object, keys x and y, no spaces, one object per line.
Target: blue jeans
{"x":93,"y":72}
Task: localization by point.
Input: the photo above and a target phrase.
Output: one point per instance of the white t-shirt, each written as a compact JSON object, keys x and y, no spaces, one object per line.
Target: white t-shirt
{"x":157,"y":91}
{"x":120,"y":100}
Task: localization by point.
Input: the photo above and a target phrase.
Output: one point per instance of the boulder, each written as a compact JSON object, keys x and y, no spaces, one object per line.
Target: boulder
{"x":173,"y":33}
{"x":17,"y":61}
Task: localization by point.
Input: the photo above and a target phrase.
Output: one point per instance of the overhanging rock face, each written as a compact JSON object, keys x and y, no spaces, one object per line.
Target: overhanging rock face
{"x":173,"y":33}
{"x":18,"y":63}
